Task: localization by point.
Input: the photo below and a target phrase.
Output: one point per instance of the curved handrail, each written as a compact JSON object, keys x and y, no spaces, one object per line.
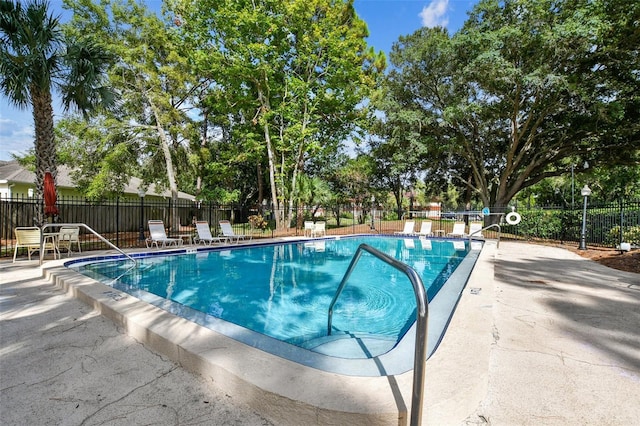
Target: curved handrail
{"x":488,"y":227}
{"x":420,"y":354}
{"x":85,"y":226}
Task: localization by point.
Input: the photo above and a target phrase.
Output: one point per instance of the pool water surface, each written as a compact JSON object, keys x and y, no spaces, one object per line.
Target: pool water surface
{"x":282,"y":291}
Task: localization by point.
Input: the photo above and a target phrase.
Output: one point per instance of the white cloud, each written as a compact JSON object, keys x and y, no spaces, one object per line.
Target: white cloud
{"x":435,"y":14}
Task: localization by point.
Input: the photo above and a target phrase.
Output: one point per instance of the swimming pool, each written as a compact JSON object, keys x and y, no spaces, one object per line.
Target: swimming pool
{"x":275,"y":296}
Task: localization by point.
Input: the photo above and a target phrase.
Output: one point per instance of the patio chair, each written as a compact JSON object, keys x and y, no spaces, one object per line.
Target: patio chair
{"x":308,"y":228}
{"x":458,"y":230}
{"x":29,"y":238}
{"x":408,"y":228}
{"x":204,"y":234}
{"x":475,"y":230}
{"x":157,"y":236}
{"x":425,"y":229}
{"x":67,"y":236}
{"x":227,"y":231}
{"x":319,"y":229}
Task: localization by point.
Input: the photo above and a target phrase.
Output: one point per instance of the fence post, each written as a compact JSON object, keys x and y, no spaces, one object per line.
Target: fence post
{"x":118,"y":221}
{"x":621,"y":224}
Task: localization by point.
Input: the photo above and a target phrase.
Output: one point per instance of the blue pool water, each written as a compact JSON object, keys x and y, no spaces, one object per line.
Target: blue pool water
{"x":284,"y":290}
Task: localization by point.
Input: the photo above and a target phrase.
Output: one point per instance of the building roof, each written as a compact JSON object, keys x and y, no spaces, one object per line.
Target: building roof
{"x":13,"y":172}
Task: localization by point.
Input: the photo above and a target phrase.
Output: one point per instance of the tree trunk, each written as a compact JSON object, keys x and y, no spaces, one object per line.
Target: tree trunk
{"x":45,"y":146}
{"x":203,"y":144}
{"x":171,"y":174}
{"x":272,"y":177}
{"x":265,"y":106}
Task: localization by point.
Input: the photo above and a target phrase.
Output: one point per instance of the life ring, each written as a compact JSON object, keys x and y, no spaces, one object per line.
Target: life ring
{"x":513,"y":218}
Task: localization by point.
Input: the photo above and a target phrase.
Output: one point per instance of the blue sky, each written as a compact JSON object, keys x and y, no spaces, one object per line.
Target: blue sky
{"x":386,"y":19}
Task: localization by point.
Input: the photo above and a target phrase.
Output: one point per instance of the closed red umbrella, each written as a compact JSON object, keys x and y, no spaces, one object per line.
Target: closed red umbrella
{"x":50,"y":197}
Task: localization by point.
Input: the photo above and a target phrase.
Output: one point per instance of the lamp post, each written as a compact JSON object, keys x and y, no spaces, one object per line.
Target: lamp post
{"x":585,"y":192}
{"x":141,"y":194}
{"x":373,"y":200}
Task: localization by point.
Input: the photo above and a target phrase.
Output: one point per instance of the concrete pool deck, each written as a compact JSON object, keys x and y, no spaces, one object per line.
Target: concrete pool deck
{"x":540,"y":336}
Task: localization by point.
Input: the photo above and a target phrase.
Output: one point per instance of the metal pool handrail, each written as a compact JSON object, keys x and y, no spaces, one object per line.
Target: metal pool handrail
{"x":493,"y":225}
{"x":420,"y":354}
{"x":85,"y":226}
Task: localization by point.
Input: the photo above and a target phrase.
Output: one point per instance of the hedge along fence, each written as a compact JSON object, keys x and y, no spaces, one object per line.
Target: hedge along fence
{"x":602,"y":224}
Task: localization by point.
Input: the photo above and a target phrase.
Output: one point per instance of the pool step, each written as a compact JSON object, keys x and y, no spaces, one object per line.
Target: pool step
{"x":347,"y":345}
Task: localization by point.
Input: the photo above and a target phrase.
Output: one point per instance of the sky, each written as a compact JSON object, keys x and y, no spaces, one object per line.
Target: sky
{"x":387,"y":21}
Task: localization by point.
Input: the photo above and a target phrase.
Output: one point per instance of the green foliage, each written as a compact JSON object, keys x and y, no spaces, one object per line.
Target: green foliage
{"x":519,"y":94}
{"x":631,"y":234}
{"x":545,"y":224}
{"x":296,"y":74}
{"x":144,"y":134}
{"x":258,"y":222}
{"x":36,"y":58}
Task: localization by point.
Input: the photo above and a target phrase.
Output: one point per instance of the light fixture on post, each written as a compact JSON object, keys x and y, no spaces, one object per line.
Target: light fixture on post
{"x":373,"y":200}
{"x":585,"y":192}
{"x":141,"y":194}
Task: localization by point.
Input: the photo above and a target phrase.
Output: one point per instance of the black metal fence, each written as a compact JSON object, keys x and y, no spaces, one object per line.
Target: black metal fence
{"x":604,"y":224}
{"x":124,"y":222}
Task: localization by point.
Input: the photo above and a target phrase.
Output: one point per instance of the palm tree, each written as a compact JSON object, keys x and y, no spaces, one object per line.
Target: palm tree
{"x":35,"y":57}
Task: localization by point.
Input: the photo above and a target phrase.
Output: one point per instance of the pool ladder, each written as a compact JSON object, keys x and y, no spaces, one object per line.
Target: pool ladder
{"x":422,"y":311}
{"x":479,"y":232}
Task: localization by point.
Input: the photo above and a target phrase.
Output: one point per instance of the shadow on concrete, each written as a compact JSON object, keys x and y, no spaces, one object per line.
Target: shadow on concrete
{"x":601,"y":305}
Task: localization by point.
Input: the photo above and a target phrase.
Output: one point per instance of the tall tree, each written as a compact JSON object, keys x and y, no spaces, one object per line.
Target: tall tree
{"x":35,"y":59}
{"x":299,"y":70}
{"x":520,"y":93}
{"x":156,"y":86}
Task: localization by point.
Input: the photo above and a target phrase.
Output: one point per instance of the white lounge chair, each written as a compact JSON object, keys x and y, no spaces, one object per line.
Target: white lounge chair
{"x":157,"y":236}
{"x":227,"y":231}
{"x":408,"y":228}
{"x":458,"y":230}
{"x":319,"y":229}
{"x":425,"y":229}
{"x":29,"y":238}
{"x":475,"y":230}
{"x":204,"y":234}
{"x":67,"y":236}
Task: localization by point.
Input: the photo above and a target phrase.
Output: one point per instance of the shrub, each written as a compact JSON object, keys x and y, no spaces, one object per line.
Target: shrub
{"x":258,"y":222}
{"x":629,"y":235}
